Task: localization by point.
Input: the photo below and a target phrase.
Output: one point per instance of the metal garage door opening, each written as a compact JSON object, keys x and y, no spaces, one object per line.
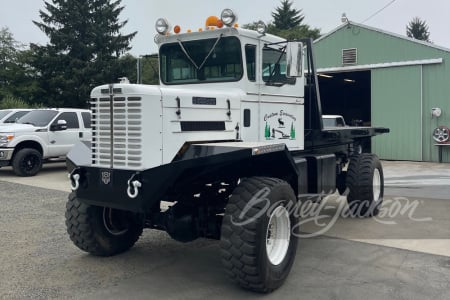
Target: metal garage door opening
{"x":347,"y":94}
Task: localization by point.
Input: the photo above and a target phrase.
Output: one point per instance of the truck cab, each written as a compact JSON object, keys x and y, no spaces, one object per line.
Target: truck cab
{"x":247,"y":71}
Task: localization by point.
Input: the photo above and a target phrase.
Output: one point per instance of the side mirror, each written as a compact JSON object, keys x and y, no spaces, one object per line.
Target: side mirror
{"x":59,"y":126}
{"x":294,"y":57}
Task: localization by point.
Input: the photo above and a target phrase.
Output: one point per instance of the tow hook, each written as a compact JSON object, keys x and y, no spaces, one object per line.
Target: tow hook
{"x":133,"y":186}
{"x":74,"y":177}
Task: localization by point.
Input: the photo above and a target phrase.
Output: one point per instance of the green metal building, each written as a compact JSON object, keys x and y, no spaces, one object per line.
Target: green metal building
{"x":384,"y":79}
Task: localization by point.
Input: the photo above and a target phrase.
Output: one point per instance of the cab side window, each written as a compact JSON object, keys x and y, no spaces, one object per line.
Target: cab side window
{"x":86,"y":119}
{"x":274,"y":67}
{"x":250,"y":59}
{"x":71,"y":118}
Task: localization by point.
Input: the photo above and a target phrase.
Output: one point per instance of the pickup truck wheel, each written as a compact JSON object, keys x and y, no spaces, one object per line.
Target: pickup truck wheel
{"x":27,"y":162}
{"x":258,"y":244}
{"x":101,"y":231}
{"x":366,"y":185}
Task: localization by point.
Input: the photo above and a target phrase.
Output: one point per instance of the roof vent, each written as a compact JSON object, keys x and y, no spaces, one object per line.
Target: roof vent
{"x":349,"y":56}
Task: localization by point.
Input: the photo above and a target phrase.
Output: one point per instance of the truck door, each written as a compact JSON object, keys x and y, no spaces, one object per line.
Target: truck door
{"x":281,"y":101}
{"x":61,"y":141}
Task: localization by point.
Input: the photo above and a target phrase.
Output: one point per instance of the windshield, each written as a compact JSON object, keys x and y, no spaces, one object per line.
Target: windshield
{"x":3,"y":113}
{"x":38,"y":118}
{"x":210,"y":60}
{"x":16,"y":116}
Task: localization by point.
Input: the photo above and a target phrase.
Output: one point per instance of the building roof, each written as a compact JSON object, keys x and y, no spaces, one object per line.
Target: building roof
{"x":351,"y":23}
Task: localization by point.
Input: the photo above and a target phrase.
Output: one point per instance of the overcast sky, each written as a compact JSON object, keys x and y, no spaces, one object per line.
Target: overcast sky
{"x":17,"y":15}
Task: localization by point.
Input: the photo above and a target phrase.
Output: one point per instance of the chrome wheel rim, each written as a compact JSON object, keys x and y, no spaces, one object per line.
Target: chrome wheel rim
{"x":278,"y":235}
{"x":376,"y":184}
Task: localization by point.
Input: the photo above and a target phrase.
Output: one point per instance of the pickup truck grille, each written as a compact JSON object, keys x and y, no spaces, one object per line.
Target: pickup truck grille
{"x":117,"y":132}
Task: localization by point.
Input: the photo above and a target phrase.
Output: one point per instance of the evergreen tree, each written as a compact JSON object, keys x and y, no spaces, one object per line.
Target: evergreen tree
{"x":292,"y":131}
{"x":267,"y":131}
{"x":286,"y":17}
{"x":287,"y":23}
{"x":84,"y":49}
{"x":418,"y":30}
{"x":299,"y":32}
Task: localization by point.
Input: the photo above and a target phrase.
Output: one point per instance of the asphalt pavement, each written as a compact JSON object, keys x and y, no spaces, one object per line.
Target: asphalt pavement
{"x":355,"y":259}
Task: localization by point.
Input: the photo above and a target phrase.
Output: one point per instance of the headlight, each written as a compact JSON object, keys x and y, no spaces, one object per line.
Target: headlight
{"x":5,"y":138}
{"x":261,"y":27}
{"x":228,"y":17}
{"x":162,"y":26}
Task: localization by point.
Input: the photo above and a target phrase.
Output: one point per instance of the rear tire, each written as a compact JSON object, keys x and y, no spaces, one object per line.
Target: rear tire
{"x":365,"y":182}
{"x":27,"y":162}
{"x":101,"y":231}
{"x":258,"y":245}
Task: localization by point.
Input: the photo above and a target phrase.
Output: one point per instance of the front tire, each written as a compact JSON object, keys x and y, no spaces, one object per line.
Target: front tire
{"x":101,"y":231}
{"x":365,"y":182}
{"x":258,"y":245}
{"x":27,"y":162}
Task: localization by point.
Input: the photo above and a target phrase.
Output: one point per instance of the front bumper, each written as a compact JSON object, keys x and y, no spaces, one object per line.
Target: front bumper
{"x":6,"y":156}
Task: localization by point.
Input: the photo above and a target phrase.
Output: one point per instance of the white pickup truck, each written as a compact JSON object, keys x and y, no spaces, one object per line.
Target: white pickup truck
{"x":40,"y":135}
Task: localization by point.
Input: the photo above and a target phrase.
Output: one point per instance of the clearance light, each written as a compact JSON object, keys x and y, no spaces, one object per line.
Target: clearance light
{"x":211,"y":21}
{"x":177,"y":29}
{"x":228,"y":17}
{"x":162,"y":26}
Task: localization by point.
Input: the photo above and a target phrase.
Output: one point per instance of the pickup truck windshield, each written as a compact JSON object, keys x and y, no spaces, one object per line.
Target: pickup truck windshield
{"x":15,"y":117}
{"x":3,"y":113}
{"x":210,"y":60}
{"x":38,"y":118}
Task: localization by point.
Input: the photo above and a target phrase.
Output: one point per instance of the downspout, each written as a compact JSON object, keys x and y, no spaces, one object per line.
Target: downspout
{"x":421,"y":113}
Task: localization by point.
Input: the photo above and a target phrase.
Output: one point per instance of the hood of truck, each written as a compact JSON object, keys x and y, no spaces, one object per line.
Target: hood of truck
{"x":18,"y":128}
{"x":117,"y":89}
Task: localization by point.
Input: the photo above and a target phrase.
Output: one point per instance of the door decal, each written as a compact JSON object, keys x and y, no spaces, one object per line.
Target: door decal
{"x":279,"y":126}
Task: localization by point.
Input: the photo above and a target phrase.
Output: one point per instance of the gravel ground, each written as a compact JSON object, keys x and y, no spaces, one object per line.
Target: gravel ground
{"x":38,"y":261}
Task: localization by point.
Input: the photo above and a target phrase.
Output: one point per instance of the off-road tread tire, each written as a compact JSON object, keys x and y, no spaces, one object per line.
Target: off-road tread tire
{"x":241,"y":256}
{"x":20,"y":156}
{"x":86,"y":230}
{"x":360,"y":184}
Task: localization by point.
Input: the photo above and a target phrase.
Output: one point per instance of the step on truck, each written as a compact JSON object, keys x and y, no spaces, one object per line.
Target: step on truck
{"x":223,"y":148}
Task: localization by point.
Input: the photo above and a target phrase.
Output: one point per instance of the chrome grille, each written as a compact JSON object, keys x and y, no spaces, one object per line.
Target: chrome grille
{"x":117,"y":132}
